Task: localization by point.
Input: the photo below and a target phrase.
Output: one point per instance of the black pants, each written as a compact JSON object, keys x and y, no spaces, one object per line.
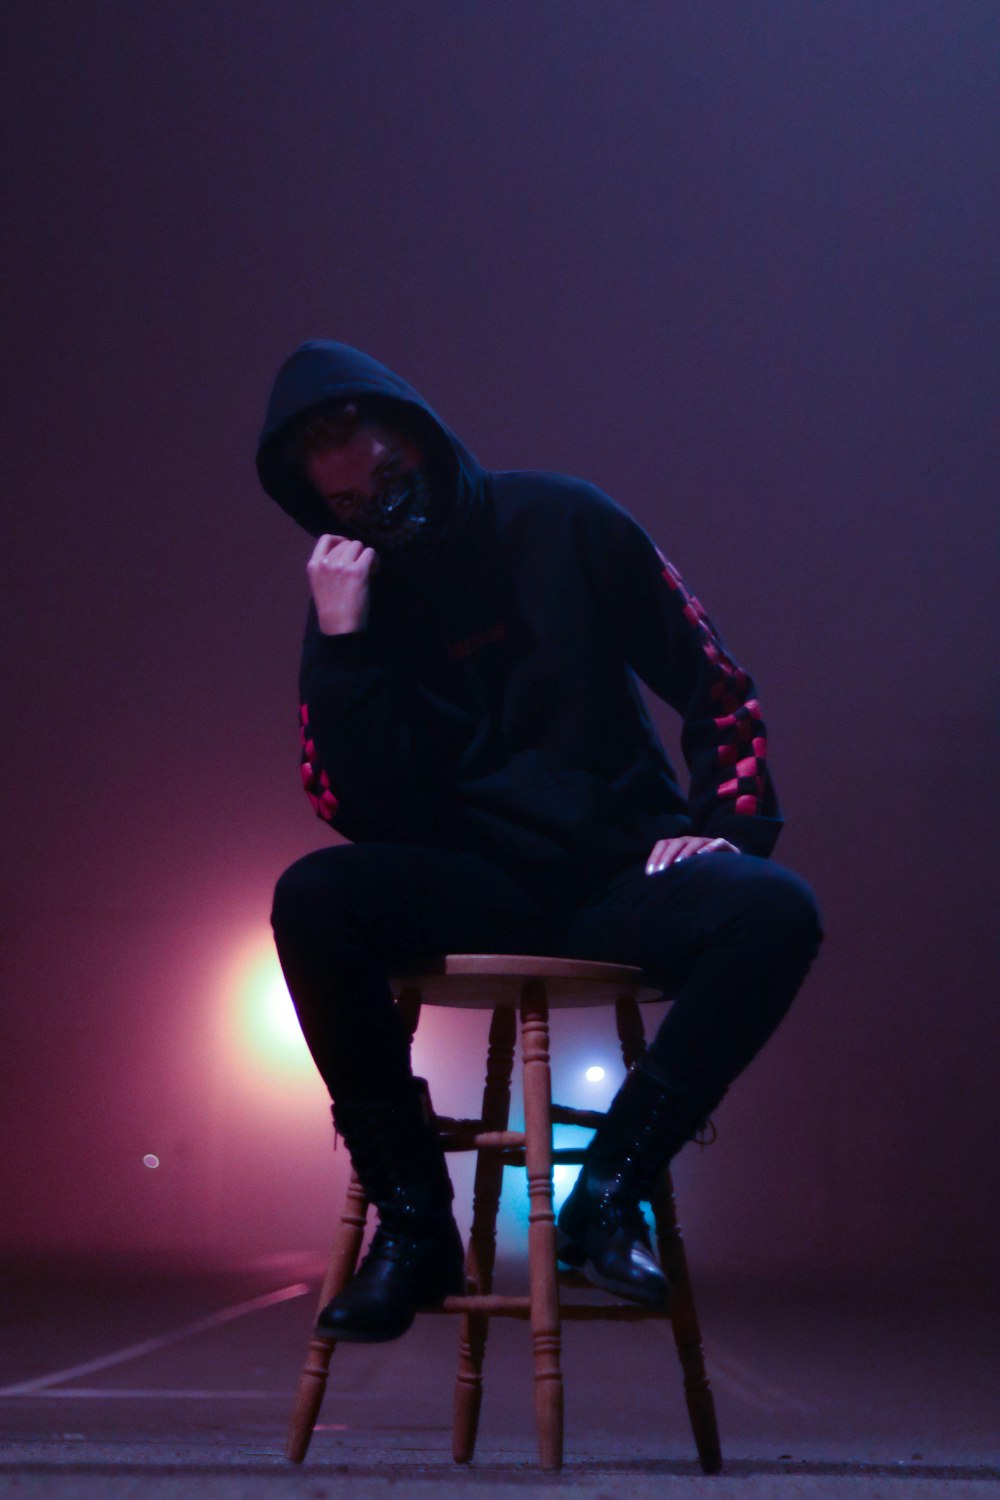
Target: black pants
{"x":729,"y":936}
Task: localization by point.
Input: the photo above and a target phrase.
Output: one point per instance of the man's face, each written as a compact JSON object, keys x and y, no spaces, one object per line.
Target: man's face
{"x":350,"y":477}
{"x":378,"y":491}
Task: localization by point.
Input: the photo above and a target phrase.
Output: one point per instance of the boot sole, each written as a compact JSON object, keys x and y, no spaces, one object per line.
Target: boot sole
{"x":366,"y":1336}
{"x":355,"y":1336}
{"x":627,"y":1292}
{"x":571,"y":1255}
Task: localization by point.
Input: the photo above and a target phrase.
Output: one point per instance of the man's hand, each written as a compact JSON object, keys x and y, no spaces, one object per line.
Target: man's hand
{"x":339,"y":574}
{"x":672,"y":851}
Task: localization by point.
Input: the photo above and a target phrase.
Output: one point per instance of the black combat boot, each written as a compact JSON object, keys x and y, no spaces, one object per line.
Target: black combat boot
{"x":415,"y":1258}
{"x":601,"y":1229}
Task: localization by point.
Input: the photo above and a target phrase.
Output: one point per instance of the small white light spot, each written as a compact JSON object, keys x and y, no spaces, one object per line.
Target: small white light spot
{"x":594,"y":1075}
{"x":151,"y":1160}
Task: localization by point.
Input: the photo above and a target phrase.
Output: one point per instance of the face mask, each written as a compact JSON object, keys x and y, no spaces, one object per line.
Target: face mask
{"x":400,"y":520}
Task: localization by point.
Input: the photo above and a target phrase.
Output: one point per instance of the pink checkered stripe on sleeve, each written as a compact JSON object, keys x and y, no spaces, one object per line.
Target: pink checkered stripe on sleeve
{"x":740,"y":731}
{"x":315,"y":781}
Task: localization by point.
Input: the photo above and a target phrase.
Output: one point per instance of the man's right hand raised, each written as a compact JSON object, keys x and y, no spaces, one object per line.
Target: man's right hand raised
{"x":339,"y":575}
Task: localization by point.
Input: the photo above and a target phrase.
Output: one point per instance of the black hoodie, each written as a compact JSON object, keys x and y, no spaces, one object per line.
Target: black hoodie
{"x":491,"y":704}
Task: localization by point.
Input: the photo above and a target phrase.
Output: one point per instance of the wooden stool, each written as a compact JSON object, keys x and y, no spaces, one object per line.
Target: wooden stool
{"x":508,"y":985}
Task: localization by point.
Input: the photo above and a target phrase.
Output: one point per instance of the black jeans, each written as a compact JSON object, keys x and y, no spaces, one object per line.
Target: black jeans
{"x":730,"y":937}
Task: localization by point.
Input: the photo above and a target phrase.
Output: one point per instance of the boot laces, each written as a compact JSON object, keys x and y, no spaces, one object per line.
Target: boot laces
{"x":614,"y":1211}
{"x":643,"y":1165}
{"x":371,"y":1153}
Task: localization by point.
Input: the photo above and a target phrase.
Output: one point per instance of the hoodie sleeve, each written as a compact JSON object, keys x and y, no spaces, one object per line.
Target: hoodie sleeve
{"x":671,"y":643}
{"x":361,"y":766}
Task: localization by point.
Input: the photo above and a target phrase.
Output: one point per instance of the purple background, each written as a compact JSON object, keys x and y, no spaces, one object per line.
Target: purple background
{"x":735,"y":263}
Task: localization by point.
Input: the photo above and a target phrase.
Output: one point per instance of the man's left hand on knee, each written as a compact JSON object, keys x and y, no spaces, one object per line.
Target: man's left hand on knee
{"x":668,"y":852}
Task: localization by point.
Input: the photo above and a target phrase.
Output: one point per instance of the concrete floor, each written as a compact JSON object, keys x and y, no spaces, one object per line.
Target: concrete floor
{"x":161,"y":1378}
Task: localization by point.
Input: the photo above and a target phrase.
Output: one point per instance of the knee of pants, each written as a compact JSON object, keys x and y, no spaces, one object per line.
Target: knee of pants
{"x":793,"y":906}
{"x":309,"y":895}
{"x":784,"y":904}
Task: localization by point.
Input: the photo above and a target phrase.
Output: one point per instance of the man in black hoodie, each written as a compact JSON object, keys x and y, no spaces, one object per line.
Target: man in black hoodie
{"x":471,"y":722}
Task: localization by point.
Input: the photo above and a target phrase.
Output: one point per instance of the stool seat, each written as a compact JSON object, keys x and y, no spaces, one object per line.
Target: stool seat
{"x":483,"y":981}
{"x":520,"y":990}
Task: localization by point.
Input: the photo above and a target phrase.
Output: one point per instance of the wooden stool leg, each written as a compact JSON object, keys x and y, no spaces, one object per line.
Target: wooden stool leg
{"x":541,"y":1222}
{"x":343,"y":1260}
{"x":687,"y":1333}
{"x":670,"y":1243}
{"x":312,"y":1381}
{"x":482,"y":1248}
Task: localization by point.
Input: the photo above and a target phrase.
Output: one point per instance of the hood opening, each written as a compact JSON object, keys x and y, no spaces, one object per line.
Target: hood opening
{"x":319,"y":372}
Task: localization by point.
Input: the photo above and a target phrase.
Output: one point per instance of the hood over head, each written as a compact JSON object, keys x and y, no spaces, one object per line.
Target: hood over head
{"x":320,"y":371}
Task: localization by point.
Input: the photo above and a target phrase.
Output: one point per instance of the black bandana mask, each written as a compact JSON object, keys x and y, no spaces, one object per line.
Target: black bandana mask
{"x":401,"y":520}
